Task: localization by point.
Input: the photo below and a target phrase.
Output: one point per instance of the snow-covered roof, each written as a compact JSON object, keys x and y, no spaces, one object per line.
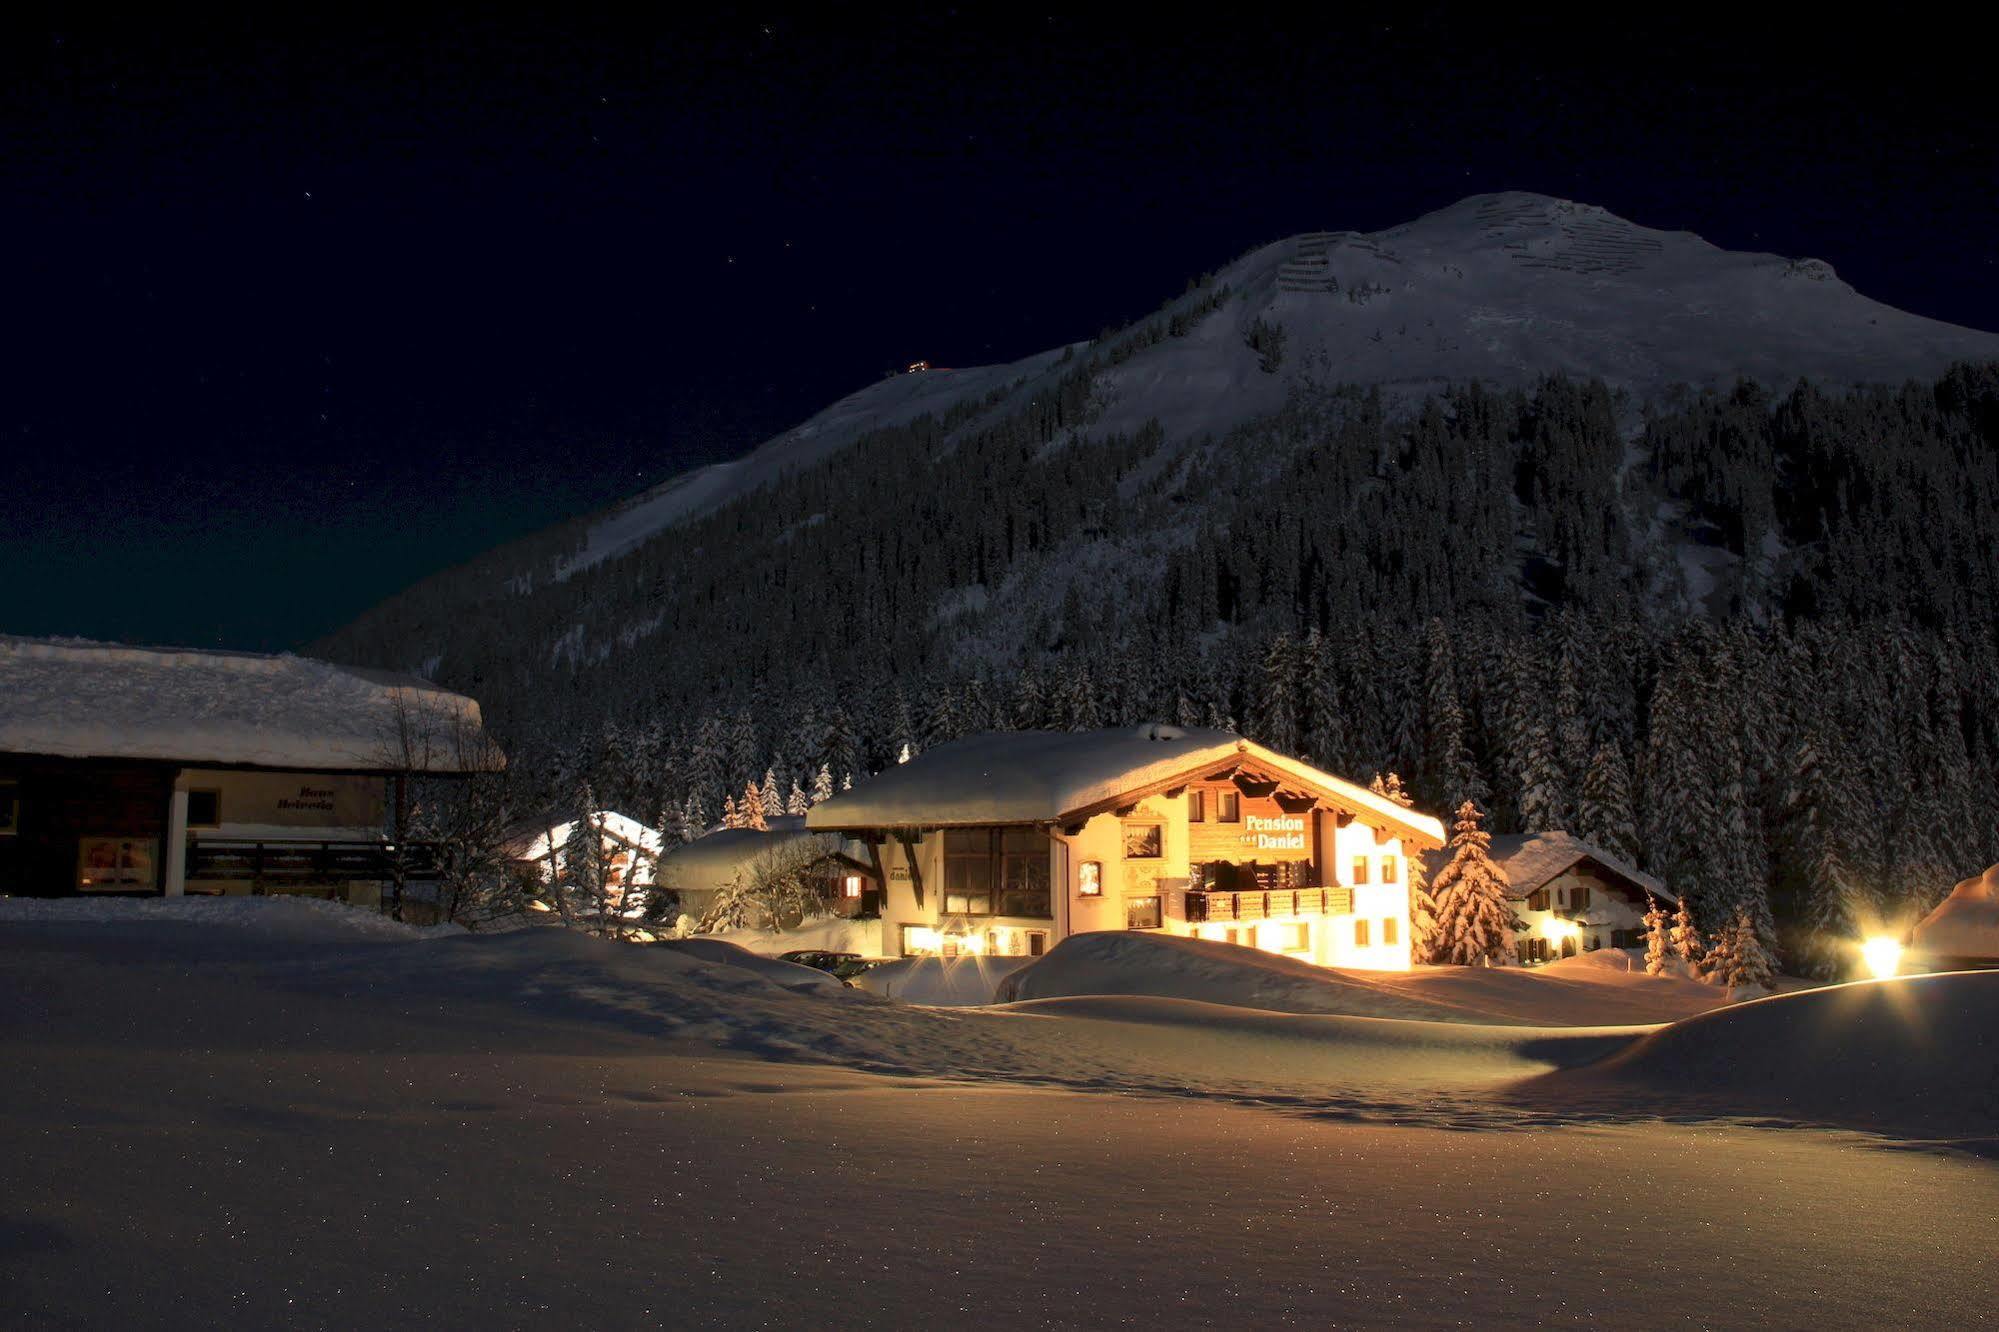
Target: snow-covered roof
{"x":1047,"y":776}
{"x":1531,"y":860}
{"x":619,"y":828}
{"x":1965,"y":924}
{"x":713,"y":861}
{"x":69,"y":698}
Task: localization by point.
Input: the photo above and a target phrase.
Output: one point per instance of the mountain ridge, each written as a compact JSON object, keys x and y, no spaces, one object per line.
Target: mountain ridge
{"x":1503,"y":289}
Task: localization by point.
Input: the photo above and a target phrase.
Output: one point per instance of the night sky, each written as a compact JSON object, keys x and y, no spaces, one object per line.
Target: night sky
{"x":296,"y":316}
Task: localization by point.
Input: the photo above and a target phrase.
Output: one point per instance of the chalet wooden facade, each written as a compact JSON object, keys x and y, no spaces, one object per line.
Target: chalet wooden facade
{"x":1008,"y":843}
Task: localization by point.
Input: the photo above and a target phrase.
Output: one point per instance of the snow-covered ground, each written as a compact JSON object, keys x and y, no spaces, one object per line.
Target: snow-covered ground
{"x":213,"y":1117}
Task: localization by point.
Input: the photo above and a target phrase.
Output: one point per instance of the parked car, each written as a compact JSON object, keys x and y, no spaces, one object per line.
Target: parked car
{"x":844,"y":966}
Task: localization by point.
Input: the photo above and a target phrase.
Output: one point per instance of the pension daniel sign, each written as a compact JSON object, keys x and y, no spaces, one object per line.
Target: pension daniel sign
{"x":1285,"y":832}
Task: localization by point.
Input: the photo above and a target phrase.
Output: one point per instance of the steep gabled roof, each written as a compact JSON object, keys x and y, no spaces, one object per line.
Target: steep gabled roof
{"x":67,"y":698}
{"x":1532,"y":860}
{"x":1054,"y":776}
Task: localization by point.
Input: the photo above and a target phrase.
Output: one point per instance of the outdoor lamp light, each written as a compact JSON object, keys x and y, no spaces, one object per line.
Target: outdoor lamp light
{"x":1883,"y":955}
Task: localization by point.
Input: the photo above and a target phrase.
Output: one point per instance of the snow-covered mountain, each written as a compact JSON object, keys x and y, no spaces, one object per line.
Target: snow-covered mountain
{"x":1500,"y":288}
{"x":1293,"y":442}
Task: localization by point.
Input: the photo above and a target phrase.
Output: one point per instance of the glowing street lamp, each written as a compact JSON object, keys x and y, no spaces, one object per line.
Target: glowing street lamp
{"x":1883,"y":955}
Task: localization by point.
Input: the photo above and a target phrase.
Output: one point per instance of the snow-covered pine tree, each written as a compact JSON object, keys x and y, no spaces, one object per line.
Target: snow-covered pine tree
{"x":1604,"y":814}
{"x":731,"y":816}
{"x":822,"y":784}
{"x":1325,"y":725}
{"x":1754,"y":967}
{"x":797,"y":802}
{"x":750,"y":809}
{"x":1422,"y":913}
{"x":1276,"y":715}
{"x":1389,"y":786}
{"x":1543,"y":806}
{"x":1685,"y":941}
{"x":1657,"y":944}
{"x":1718,"y":962}
{"x":693,"y":817}
{"x":770,"y":796}
{"x":1475,"y":921}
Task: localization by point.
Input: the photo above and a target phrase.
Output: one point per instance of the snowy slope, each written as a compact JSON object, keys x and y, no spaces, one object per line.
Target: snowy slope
{"x":206,"y":1126}
{"x":1503,"y":288}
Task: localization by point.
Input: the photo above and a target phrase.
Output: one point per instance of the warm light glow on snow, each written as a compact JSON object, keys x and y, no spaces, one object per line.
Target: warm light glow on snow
{"x":1882,"y":954}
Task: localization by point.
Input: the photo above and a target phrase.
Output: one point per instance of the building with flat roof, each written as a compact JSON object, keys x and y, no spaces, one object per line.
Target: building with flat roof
{"x":173,"y":770}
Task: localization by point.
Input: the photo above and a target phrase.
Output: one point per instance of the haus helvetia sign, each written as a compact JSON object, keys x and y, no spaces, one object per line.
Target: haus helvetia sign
{"x":1286,"y":832}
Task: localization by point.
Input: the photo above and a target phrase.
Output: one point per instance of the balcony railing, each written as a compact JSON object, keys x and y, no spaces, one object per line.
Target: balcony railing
{"x":1203,"y":907}
{"x":289,"y":863}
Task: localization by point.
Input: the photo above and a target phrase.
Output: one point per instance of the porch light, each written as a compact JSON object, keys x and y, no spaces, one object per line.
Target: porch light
{"x":1883,"y":955}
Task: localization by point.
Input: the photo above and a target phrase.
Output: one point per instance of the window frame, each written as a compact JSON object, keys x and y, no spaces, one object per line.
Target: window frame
{"x":1143,"y":826}
{"x":215,"y":793}
{"x":1228,"y":806}
{"x":1197,"y":806}
{"x":1391,"y":932}
{"x":959,"y":898}
{"x":1132,"y":907}
{"x":1389,"y":873}
{"x":1361,"y":866}
{"x":1363,"y":932}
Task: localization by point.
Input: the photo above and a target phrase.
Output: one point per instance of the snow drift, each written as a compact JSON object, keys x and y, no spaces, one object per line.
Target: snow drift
{"x":1602,"y":988}
{"x":1965,"y":925}
{"x":953,"y":982}
{"x":786,"y":975}
{"x":1917,"y":1056}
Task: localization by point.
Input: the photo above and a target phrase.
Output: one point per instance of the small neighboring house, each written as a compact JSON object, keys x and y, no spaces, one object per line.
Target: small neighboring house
{"x":697,"y":870}
{"x":1963,"y":932}
{"x":1559,"y":881}
{"x":1007,"y":843}
{"x":171,"y":770}
{"x":630,"y":852}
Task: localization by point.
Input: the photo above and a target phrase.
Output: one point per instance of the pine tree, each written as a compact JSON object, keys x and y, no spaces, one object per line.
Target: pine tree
{"x":1276,"y":720}
{"x":797,"y":803}
{"x":770,"y":796}
{"x":750,"y":809}
{"x":1604,"y":814}
{"x":1475,"y":921}
{"x":1685,"y":940}
{"x":731,"y":816}
{"x":822,"y":784}
{"x":1657,"y":943}
{"x":1737,"y":958}
{"x":693,"y":817}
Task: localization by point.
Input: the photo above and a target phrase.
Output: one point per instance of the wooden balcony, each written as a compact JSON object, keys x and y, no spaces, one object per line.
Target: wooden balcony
{"x":1201,"y":908}
{"x":284,"y":864}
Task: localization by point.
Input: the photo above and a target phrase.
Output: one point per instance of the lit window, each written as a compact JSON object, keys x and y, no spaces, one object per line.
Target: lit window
{"x":1141,"y":913}
{"x":1228,"y":806}
{"x":995,"y":872}
{"x":1090,"y":879}
{"x":851,"y":886}
{"x":1197,"y":807}
{"x":1388,"y":869}
{"x":1144,"y":841}
{"x":1390,"y":935}
{"x":1360,"y":934}
{"x":1360,"y":869}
